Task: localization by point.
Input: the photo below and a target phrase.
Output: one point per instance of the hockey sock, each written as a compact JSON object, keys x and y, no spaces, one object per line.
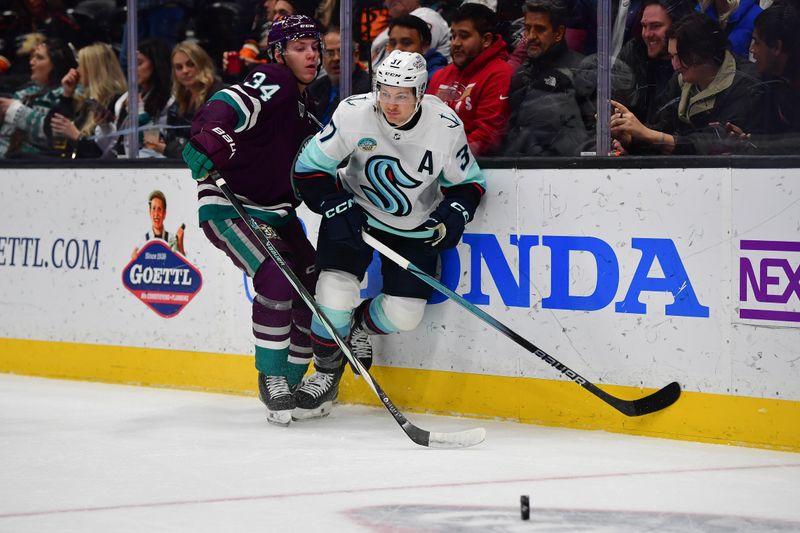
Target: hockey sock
{"x":327,"y":355}
{"x":271,"y":328}
{"x":363,"y":319}
{"x":300,"y":351}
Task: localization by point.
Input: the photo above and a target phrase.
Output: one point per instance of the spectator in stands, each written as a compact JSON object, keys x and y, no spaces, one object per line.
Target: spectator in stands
{"x":16,"y":70}
{"x":776,"y":51}
{"x":23,"y":116}
{"x":159,"y":19}
{"x":327,"y":13}
{"x":409,"y":33}
{"x":324,"y":91}
{"x":194,"y":80}
{"x":154,"y":73}
{"x":440,"y":31}
{"x":647,"y":57}
{"x":735,"y":18}
{"x":545,"y":116}
{"x":254,"y":49}
{"x":581,"y":32}
{"x":48,"y":17}
{"x":84,"y":109}
{"x":707,"y":90}
{"x":476,"y":83}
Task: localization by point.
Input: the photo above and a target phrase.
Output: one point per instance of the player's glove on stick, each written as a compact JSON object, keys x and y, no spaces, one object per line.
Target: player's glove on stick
{"x":197,"y":161}
{"x":447,"y":223}
{"x":208,"y":149}
{"x":344,"y":219}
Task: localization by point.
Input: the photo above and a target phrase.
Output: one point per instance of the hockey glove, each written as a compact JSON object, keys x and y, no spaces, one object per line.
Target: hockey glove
{"x":447,"y":223}
{"x":344,"y":219}
{"x":197,"y":161}
{"x":207,"y":149}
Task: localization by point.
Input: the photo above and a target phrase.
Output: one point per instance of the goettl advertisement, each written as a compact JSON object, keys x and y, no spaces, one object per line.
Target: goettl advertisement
{"x":159,"y":274}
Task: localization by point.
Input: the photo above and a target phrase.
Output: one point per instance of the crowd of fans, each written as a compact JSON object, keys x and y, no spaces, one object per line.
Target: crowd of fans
{"x":687,"y":76}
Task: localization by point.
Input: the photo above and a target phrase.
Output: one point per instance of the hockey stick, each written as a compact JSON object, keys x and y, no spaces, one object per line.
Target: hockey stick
{"x":458,"y":439}
{"x":654,"y":402}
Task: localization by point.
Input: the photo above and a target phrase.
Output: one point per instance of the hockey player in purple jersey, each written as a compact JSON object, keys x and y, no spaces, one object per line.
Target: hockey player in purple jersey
{"x":250,"y":133}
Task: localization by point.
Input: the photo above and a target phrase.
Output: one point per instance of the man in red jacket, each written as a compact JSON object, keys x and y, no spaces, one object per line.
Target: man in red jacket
{"x":476,"y":83}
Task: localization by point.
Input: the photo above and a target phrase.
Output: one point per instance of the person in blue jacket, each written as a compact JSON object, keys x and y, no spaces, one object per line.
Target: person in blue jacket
{"x":736,"y":18}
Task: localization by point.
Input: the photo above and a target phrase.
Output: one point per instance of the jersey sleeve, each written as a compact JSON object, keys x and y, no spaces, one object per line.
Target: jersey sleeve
{"x":234,"y":110}
{"x":460,"y":167}
{"x":461,"y":176}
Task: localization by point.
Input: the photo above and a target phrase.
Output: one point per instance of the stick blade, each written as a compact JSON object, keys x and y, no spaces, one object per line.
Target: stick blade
{"x":459,"y":439}
{"x":657,"y":401}
{"x":435,"y":439}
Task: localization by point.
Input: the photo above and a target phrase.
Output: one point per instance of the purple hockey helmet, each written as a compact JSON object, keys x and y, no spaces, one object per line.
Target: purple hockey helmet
{"x":289,"y":29}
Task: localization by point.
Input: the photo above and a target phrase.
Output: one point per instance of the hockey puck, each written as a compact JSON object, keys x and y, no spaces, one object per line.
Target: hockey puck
{"x":524,"y":507}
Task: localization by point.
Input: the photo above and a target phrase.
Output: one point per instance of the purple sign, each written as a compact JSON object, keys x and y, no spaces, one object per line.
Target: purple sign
{"x":769,"y":272}
{"x":164,"y":280}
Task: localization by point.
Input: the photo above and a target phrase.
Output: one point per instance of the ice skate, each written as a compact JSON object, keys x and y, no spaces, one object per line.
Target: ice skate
{"x":316,"y":394}
{"x":275,"y":393}
{"x":361,"y":346}
{"x":359,"y":340}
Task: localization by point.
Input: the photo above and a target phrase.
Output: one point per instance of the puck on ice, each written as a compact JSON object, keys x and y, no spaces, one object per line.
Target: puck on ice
{"x":524,"y":507}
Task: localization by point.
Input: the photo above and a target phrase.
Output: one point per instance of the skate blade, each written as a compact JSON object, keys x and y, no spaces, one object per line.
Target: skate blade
{"x":322,"y":411}
{"x":279,"y":418}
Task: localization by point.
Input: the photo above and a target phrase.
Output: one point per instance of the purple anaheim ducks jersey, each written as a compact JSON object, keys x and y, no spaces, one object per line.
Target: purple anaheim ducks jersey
{"x":265,"y":123}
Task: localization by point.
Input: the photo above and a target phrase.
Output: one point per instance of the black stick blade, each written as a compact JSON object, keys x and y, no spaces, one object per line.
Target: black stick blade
{"x":651,"y":403}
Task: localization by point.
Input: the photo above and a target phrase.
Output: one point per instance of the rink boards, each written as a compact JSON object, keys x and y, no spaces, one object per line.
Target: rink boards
{"x":632,"y":278}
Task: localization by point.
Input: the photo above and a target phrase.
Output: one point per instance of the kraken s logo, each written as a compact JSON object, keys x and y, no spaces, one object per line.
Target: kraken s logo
{"x":388,"y":178}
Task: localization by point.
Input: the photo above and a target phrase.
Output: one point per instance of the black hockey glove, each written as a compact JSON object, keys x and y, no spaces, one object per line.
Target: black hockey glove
{"x":447,"y":223}
{"x":343,"y":218}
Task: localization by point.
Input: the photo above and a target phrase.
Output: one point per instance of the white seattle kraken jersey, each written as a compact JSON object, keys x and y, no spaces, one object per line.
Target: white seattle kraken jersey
{"x":395,"y":175}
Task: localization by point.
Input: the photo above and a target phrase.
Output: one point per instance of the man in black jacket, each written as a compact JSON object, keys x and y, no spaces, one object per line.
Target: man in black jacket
{"x":647,"y":56}
{"x":709,"y":89}
{"x":545,"y":118}
{"x":324,"y":92}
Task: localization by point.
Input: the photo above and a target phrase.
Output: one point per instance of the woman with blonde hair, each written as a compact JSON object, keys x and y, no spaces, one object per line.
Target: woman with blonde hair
{"x":194,"y":80}
{"x":84,"y":109}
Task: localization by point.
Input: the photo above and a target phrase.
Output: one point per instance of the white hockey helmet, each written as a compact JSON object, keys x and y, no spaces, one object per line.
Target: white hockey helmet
{"x":403,"y":69}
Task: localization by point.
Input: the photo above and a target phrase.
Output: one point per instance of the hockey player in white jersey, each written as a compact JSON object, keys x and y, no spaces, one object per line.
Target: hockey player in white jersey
{"x":411,"y":181}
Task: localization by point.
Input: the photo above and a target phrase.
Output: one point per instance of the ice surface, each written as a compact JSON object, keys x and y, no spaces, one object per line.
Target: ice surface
{"x":93,"y":457}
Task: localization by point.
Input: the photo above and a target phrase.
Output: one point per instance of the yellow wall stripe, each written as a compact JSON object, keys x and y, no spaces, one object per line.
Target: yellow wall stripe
{"x":715,"y":418}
